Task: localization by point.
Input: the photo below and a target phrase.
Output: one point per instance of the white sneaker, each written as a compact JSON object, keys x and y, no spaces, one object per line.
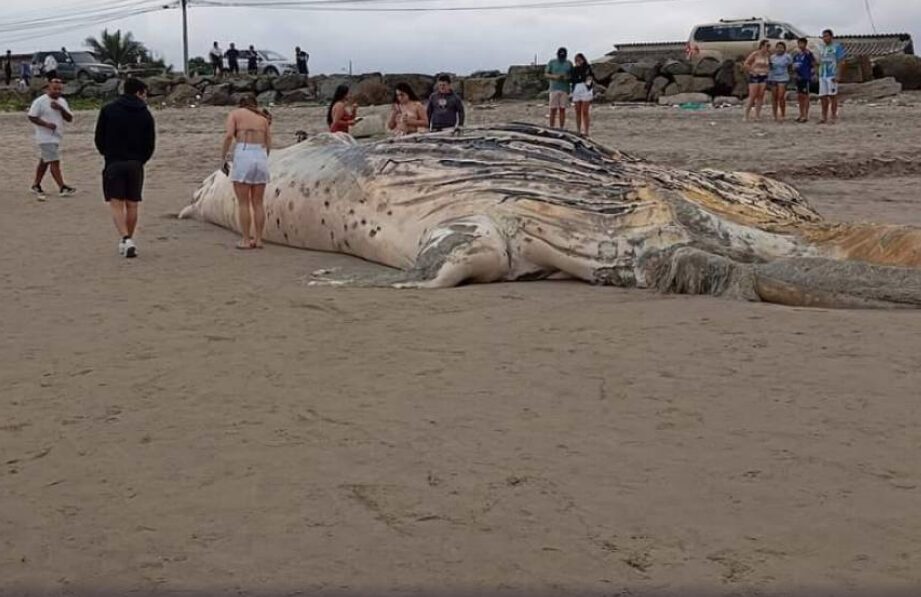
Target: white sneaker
{"x":130,"y":250}
{"x":121,"y":248}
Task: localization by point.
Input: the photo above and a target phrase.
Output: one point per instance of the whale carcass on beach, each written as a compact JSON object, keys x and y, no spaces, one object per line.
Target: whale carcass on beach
{"x":524,"y":202}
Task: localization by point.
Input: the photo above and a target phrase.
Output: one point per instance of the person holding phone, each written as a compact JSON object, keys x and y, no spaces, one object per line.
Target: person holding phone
{"x":249,"y":129}
{"x":343,"y":111}
{"x":408,"y":114}
{"x":583,"y":83}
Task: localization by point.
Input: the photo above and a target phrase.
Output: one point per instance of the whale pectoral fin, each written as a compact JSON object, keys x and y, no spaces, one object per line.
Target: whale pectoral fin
{"x":463,"y":251}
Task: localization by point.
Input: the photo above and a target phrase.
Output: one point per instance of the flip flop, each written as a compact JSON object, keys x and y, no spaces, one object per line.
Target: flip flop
{"x":244,"y":246}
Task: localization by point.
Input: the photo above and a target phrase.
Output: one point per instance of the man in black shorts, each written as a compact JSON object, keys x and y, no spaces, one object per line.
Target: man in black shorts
{"x":125,"y":136}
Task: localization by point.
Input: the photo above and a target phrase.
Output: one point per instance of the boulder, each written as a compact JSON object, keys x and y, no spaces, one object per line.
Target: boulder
{"x":290,"y":82}
{"x":644,"y":71}
{"x":421,"y":84}
{"x":726,"y":101}
{"x":702,"y":85}
{"x":604,"y":71}
{"x":296,"y":96}
{"x":857,"y":69}
{"x":740,"y":89}
{"x":263,"y":84}
{"x":684,"y":98}
{"x":109,"y":89}
{"x":158,"y":86}
{"x":657,"y":88}
{"x":904,"y":68}
{"x":201,"y":82}
{"x":707,"y":67}
{"x":183,"y":95}
{"x":677,"y":67}
{"x":524,"y":82}
{"x":217,"y":95}
{"x":73,"y":88}
{"x":872,"y":90}
{"x":670,"y":89}
{"x":485,"y":74}
{"x":684,"y":83}
{"x":267,"y":98}
{"x":724,"y":79}
{"x":90,"y":91}
{"x":326,"y":85}
{"x":243,"y":84}
{"x":624,"y":87}
{"x":482,"y":90}
{"x":370,"y":125}
{"x":236,"y":98}
{"x":372,"y":92}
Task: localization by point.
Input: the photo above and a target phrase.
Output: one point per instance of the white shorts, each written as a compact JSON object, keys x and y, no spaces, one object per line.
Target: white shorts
{"x":828,"y":87}
{"x":582,"y":93}
{"x":250,"y":164}
{"x":49,"y":152}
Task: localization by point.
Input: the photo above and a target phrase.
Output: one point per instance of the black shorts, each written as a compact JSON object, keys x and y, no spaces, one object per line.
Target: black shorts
{"x":802,"y":86}
{"x":123,"y":181}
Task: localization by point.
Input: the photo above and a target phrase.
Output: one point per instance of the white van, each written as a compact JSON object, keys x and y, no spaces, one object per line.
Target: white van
{"x":731,"y":39}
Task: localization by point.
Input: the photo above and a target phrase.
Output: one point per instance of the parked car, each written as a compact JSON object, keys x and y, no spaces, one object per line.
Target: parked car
{"x":268,"y":63}
{"x":731,"y":39}
{"x":82,"y":66}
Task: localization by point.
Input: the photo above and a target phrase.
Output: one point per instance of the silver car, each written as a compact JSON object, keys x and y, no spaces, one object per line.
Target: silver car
{"x":267,"y":63}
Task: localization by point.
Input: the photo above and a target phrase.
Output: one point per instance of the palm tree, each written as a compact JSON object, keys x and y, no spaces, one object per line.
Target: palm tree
{"x":116,"y":48}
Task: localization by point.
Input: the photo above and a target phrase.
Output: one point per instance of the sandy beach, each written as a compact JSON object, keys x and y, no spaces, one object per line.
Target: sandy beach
{"x":200,"y":421}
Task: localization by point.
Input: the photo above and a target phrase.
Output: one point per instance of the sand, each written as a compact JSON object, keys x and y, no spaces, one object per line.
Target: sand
{"x":199,"y":419}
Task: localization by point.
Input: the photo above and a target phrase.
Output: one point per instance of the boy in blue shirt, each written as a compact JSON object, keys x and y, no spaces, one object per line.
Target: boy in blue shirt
{"x":831,"y":61}
{"x":804,"y":66}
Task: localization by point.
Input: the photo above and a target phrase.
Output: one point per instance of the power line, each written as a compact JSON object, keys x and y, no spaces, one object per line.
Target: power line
{"x":870,"y":15}
{"x":348,"y":5}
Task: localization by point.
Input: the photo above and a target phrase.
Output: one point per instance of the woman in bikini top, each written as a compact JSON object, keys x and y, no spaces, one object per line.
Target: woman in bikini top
{"x":249,"y":129}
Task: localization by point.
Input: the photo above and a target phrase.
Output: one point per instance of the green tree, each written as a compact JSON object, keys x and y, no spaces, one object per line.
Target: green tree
{"x":198,"y":65}
{"x":117,"y":49}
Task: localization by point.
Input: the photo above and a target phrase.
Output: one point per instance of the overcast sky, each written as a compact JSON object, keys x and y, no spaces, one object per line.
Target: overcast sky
{"x":461,"y":42}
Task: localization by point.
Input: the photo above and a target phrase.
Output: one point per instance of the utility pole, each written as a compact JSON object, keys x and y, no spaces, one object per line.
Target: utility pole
{"x":185,"y":36}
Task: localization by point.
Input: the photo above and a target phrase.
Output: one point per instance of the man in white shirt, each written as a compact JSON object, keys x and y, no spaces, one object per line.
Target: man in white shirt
{"x":217,"y":60}
{"x":50,"y":67}
{"x":48,"y":114}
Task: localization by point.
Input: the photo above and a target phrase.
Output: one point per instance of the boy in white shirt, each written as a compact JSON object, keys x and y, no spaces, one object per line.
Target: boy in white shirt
{"x":48,"y":114}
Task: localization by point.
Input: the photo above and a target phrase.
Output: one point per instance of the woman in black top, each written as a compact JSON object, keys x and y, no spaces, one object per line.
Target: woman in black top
{"x":582,"y":93}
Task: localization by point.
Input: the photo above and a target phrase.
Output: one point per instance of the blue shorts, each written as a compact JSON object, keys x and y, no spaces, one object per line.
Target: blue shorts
{"x":802,"y":86}
{"x":757,"y":79}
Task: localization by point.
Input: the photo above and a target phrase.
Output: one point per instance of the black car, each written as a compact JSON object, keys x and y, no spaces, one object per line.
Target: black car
{"x":82,"y":66}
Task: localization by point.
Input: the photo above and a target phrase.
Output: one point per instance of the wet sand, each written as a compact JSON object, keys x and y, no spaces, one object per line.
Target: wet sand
{"x":199,"y":419}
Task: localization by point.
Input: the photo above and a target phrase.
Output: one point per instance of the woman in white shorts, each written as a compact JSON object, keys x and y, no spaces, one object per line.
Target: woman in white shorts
{"x":249,"y":128}
{"x":583,"y":93}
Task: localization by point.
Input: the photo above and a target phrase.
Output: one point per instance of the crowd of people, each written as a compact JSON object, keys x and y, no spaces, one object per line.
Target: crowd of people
{"x":228,"y":63}
{"x":125,"y":134}
{"x":774,"y":68}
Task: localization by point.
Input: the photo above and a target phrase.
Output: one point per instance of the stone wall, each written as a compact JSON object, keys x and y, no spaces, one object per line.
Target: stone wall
{"x":664,"y":82}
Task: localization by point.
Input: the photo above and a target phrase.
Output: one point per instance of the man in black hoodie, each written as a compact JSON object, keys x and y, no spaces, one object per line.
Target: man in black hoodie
{"x":125,"y":136}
